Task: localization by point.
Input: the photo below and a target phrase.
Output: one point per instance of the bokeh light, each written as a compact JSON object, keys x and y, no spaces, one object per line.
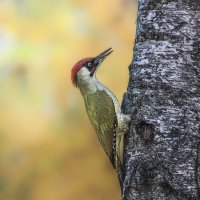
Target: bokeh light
{"x":48,"y":149}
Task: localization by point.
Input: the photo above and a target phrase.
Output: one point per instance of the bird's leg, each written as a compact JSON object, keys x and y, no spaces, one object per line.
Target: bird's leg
{"x":126,"y":119}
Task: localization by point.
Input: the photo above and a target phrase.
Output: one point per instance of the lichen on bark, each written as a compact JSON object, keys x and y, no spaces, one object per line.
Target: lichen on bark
{"x":161,"y":155}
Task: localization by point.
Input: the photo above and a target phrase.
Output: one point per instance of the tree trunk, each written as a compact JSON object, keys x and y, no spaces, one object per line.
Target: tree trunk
{"x":162,"y":150}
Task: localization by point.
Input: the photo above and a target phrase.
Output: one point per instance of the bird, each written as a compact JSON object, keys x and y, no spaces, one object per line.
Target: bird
{"x":102,"y":106}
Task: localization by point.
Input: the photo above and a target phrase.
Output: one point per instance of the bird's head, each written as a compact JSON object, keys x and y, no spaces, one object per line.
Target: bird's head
{"x":88,"y":66}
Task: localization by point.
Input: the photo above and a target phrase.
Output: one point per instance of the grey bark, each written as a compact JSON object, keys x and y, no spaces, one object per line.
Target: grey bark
{"x":162,"y":150}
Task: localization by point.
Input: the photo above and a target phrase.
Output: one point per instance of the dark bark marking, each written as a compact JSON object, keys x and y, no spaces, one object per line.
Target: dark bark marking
{"x":146,"y":132}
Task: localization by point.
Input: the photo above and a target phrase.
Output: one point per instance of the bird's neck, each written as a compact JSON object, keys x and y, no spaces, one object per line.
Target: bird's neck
{"x":87,"y":84}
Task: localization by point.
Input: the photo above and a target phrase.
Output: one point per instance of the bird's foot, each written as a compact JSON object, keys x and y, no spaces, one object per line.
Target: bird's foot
{"x":126,"y":123}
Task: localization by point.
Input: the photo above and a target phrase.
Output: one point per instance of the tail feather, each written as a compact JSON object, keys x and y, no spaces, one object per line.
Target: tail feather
{"x":118,"y":167}
{"x":114,"y":158}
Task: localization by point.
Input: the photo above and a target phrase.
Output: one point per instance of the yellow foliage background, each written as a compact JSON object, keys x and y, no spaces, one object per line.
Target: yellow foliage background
{"x":48,"y":149}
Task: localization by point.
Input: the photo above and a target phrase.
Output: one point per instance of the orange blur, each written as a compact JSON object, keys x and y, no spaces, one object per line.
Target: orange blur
{"x":48,"y":149}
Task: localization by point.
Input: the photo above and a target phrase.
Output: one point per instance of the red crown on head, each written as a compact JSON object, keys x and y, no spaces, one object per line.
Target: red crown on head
{"x":76,"y":68}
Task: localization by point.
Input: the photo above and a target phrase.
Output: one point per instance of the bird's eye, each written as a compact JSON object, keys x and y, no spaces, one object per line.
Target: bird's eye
{"x":89,"y":64}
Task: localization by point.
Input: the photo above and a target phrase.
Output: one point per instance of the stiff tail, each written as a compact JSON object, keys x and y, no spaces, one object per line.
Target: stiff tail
{"x":114,"y":158}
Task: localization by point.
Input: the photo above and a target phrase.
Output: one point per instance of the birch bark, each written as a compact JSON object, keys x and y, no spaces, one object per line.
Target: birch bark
{"x":162,"y":150}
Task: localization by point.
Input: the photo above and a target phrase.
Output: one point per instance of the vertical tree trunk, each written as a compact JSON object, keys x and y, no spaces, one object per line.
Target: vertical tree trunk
{"x":162,"y":150}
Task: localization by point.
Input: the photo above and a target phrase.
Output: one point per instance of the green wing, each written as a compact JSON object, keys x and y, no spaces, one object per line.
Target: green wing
{"x":101,"y":112}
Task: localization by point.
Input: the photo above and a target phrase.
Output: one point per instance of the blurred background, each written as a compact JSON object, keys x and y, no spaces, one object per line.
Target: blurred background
{"x":48,"y":149}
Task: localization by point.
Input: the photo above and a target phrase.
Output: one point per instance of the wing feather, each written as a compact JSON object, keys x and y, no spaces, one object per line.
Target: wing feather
{"x":101,"y":112}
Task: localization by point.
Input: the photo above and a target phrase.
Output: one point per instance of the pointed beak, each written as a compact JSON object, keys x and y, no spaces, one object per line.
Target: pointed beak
{"x":99,"y":59}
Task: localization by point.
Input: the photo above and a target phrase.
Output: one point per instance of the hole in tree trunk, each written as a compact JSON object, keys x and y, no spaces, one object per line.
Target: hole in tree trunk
{"x":146,"y":132}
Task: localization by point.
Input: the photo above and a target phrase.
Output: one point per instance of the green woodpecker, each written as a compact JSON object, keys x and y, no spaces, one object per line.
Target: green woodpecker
{"x":102,"y":106}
